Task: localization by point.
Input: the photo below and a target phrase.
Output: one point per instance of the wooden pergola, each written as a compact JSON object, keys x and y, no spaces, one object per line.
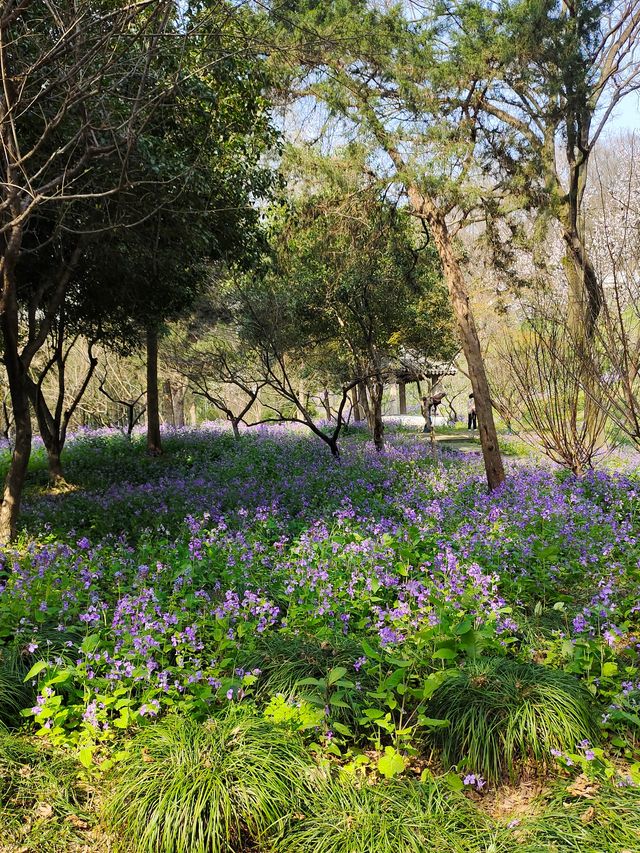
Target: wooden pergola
{"x":412,"y":366}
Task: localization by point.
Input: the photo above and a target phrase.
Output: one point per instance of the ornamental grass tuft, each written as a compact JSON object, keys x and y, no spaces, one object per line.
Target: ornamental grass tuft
{"x":219,"y":786}
{"x":14,"y":694}
{"x":504,"y":715}
{"x":398,"y":817}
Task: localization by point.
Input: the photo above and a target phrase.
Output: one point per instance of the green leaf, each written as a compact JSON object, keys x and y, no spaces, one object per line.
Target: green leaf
{"x":369,"y":651}
{"x":444,"y":653}
{"x":373,"y":713}
{"x":90,"y":643}
{"x":36,"y":669}
{"x":86,"y":756}
{"x":336,"y":674}
{"x":464,"y":626}
{"x":454,"y":782}
{"x":342,"y":730}
{"x":391,"y":764}
{"x":609,"y":668}
{"x":431,"y":722}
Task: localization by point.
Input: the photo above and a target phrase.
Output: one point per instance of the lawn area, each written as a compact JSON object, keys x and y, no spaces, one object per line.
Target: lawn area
{"x":248,"y":645}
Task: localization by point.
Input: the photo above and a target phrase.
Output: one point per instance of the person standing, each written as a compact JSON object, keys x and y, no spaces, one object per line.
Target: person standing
{"x":472,"y":420}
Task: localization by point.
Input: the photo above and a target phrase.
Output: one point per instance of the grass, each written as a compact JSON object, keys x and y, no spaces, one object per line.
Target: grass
{"x":43,"y":809}
{"x":398,"y":817}
{"x":606,"y":822}
{"x":503,"y":715}
{"x":207,"y":788}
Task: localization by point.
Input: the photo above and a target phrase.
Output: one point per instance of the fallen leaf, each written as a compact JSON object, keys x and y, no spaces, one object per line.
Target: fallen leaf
{"x":588,"y":815}
{"x":77,"y":822}
{"x":43,"y":811}
{"x":582,"y":786}
{"x":146,"y":757}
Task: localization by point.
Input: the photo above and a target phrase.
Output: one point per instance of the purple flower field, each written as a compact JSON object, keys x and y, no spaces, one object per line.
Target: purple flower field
{"x":340,"y":594}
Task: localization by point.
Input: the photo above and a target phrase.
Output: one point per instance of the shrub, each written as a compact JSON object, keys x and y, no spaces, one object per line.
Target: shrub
{"x":502,"y":714}
{"x":207,"y":788}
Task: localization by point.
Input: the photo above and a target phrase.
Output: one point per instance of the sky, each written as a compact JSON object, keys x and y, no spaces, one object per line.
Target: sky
{"x":627,"y":114}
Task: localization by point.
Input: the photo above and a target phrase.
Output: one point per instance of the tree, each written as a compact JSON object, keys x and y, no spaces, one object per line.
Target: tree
{"x":389,"y":78}
{"x":352,"y":282}
{"x":547,"y":78}
{"x":141,"y":254}
{"x":78,"y":86}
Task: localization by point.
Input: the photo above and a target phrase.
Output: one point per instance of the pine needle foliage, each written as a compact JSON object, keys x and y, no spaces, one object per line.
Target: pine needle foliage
{"x":399,"y":817}
{"x":503,"y":715}
{"x":207,"y":788}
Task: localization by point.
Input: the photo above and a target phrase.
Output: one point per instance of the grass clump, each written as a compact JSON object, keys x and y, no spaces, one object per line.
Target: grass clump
{"x":207,"y":788}
{"x":14,"y":694}
{"x":42,"y":807}
{"x":399,"y":817}
{"x":503,"y":715}
{"x":606,"y":822}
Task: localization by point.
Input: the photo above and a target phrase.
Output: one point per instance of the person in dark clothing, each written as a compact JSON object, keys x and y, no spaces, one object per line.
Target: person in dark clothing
{"x":472,"y":421}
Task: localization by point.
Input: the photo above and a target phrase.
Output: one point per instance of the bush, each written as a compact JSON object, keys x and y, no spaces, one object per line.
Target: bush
{"x":502,"y":714}
{"x":207,"y":788}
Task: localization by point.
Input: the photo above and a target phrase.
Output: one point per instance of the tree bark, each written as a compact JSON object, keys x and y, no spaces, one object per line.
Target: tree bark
{"x":355,"y":407}
{"x":376,"y":424}
{"x":402,"y":398}
{"x":16,"y":475}
{"x":363,"y":400}
{"x":154,"y":440}
{"x":469,"y":337}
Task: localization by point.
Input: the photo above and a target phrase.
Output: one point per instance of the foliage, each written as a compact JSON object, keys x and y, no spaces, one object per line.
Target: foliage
{"x":42,"y":806}
{"x":504,"y":715}
{"x":207,"y":787}
{"x":341,"y":817}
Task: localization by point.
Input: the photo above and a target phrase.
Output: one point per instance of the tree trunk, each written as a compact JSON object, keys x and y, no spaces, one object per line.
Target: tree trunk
{"x":326,"y":404}
{"x":16,"y":475}
{"x":56,"y":474}
{"x":469,"y":337}
{"x":402,"y":398}
{"x":234,"y":425}
{"x":355,"y":407}
{"x":376,"y":424}
{"x":154,"y":441}
{"x":363,"y":400}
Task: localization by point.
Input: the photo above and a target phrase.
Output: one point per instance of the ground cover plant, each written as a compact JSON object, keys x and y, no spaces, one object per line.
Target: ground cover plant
{"x":339,"y":611}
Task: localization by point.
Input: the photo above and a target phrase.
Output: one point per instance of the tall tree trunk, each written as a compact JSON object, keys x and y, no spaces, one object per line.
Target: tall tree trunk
{"x":376,"y":424}
{"x":402,"y":398}
{"x":56,"y":473}
{"x":154,"y":440}
{"x":363,"y":399}
{"x":355,"y":407}
{"x":469,"y":337}
{"x":326,"y":404}
{"x":16,"y":475}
